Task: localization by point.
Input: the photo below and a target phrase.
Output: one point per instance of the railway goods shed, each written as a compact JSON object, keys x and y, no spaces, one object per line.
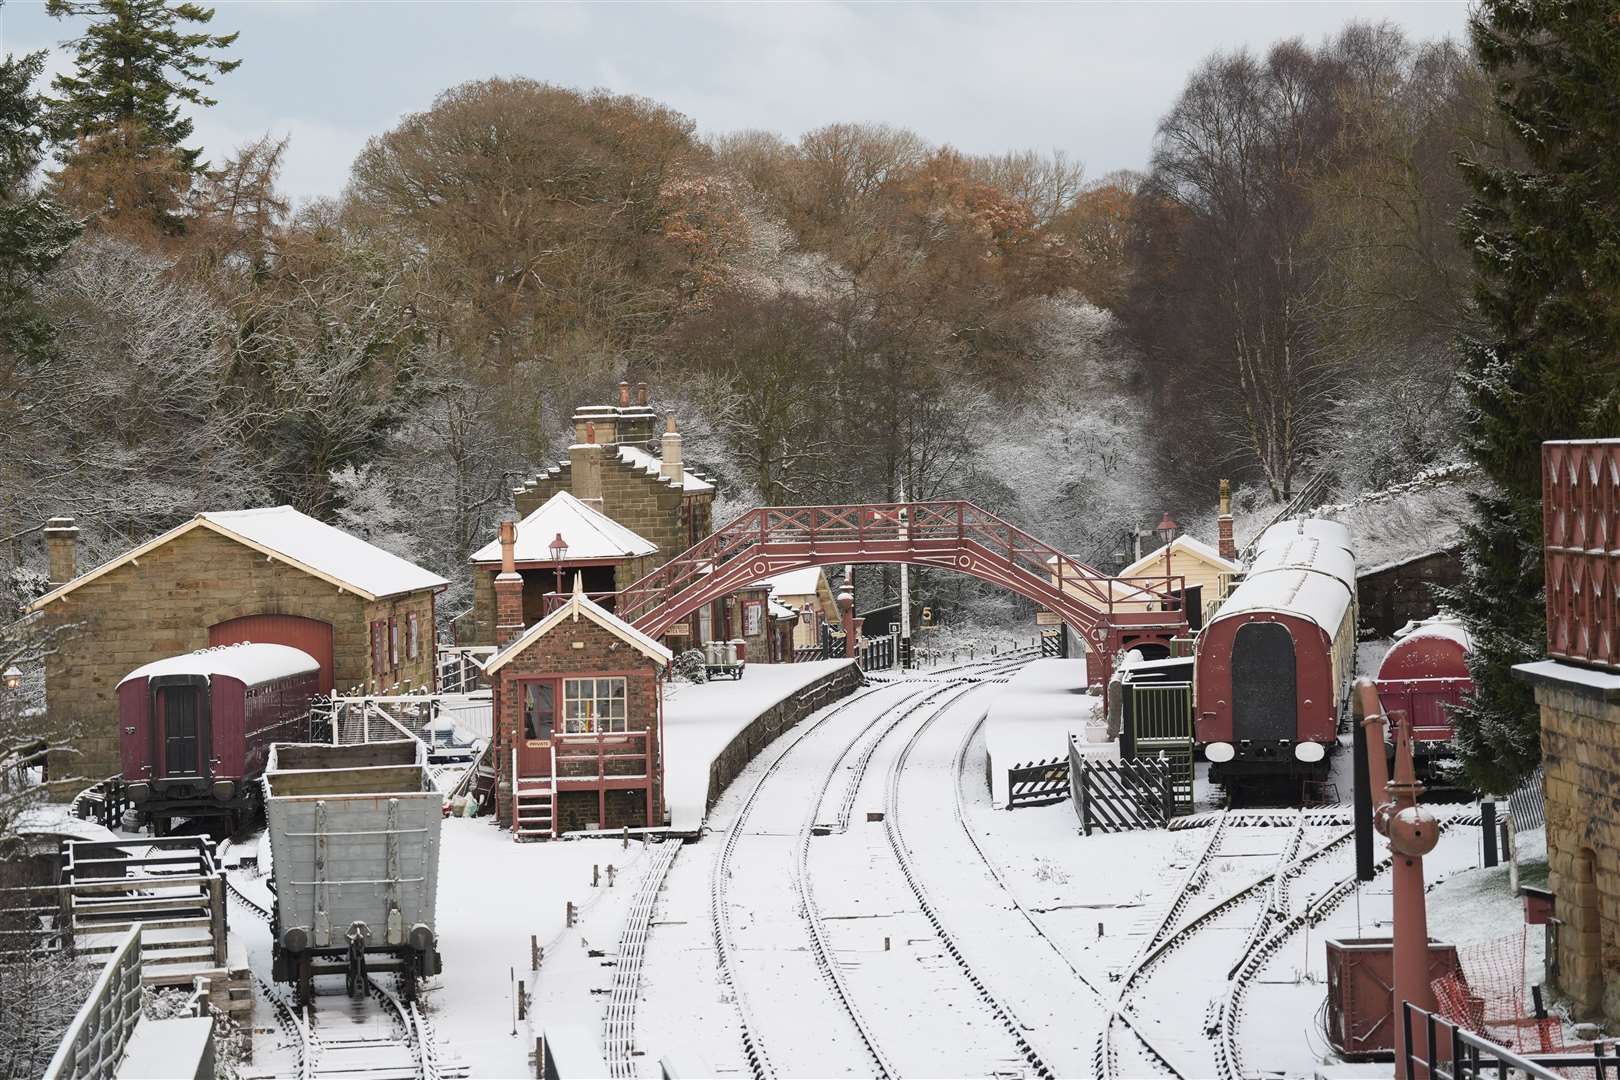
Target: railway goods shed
{"x":269,"y":575}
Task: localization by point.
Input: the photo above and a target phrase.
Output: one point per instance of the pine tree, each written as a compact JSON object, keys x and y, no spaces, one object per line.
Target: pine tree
{"x":135,"y":66}
{"x":34,"y":232}
{"x":1545,"y":233}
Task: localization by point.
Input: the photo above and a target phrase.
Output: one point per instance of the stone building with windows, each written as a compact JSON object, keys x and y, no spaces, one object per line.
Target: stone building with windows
{"x":1578,"y":691}
{"x":270,"y":575}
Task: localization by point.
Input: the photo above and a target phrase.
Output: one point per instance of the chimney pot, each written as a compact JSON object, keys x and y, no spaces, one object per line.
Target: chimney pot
{"x":641,"y":394}
{"x":670,"y":453}
{"x":624,"y":395}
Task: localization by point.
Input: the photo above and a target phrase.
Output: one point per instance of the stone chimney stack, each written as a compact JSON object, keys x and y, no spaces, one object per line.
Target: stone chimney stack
{"x":61,"y":544}
{"x":671,"y":453}
{"x":585,"y":462}
{"x":508,"y":590}
{"x":1223,"y":525}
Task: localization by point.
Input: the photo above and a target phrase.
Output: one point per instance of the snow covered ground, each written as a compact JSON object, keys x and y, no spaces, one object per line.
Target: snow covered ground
{"x":701,"y":719}
{"x":1030,"y":718}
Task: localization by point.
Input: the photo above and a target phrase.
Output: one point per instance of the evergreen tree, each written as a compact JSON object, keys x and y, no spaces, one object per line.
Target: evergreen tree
{"x":34,"y":232}
{"x":1545,"y":233}
{"x":135,"y":66}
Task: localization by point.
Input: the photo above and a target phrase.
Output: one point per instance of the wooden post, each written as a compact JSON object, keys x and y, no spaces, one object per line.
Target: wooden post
{"x":1487,"y":829}
{"x":624,"y":843}
{"x":523,"y":1001}
{"x":571,"y":913}
{"x":1085,"y":798}
{"x":596,"y":875}
{"x":610,"y":875}
{"x":535,"y":952}
{"x":216,"y":916}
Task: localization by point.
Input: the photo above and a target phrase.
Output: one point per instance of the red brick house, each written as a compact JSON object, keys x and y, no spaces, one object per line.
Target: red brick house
{"x":578,"y":707}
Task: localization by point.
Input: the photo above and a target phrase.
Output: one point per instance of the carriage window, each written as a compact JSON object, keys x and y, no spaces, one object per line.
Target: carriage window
{"x":591,"y":705}
{"x":539,"y":711}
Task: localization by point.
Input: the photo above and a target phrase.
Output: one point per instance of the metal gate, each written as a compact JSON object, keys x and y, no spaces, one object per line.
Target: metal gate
{"x":1119,"y":795}
{"x":1158,"y":725}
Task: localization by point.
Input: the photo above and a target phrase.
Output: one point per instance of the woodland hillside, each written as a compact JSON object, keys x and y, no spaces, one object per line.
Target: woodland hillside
{"x":1278,"y":294}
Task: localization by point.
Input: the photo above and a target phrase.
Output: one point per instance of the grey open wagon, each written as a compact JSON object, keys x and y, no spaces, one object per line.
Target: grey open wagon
{"x":354,"y":842}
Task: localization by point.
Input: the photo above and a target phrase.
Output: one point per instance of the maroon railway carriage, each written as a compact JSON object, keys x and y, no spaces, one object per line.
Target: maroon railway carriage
{"x":1425,"y":675}
{"x":1273,"y":663}
{"x":196,"y":729}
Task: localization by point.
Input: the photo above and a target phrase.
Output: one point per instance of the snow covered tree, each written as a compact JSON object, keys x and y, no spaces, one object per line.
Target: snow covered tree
{"x":1544,"y":231}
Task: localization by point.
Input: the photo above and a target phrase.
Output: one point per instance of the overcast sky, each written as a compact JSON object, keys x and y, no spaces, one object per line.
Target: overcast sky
{"x":1089,"y":78}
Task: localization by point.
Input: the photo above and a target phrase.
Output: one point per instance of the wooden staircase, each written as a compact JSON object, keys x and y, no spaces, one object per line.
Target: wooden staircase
{"x":534,"y":808}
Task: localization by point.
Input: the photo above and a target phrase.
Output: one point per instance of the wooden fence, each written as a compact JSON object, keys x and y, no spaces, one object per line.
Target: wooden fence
{"x":1119,"y":795}
{"x":104,"y":803}
{"x":1038,"y":784}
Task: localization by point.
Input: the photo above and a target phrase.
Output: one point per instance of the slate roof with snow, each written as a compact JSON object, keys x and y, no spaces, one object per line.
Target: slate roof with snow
{"x":296,"y":539}
{"x":652,"y":465}
{"x":252,"y":662}
{"x":591,"y":535}
{"x":1190,"y":544}
{"x":805,"y":582}
{"x":580,"y":605}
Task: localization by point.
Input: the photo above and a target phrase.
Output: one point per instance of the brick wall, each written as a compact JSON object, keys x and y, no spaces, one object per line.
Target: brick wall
{"x":555,"y":655}
{"x":1389,"y":598}
{"x":1580,"y":750}
{"x":164,"y":605}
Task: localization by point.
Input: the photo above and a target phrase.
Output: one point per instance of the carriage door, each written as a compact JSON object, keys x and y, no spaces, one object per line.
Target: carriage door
{"x":181,"y":751}
{"x":1264,"y":692}
{"x":537,"y":719}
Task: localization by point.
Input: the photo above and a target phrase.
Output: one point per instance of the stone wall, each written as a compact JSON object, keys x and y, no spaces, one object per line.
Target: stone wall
{"x":747,"y":743}
{"x":574,"y":648}
{"x":164,"y":604}
{"x":1580,"y":748}
{"x":410,"y":673}
{"x":1391,"y":596}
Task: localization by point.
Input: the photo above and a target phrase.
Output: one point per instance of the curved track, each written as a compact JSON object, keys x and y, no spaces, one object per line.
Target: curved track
{"x":388,"y":1039}
{"x":784,"y":803}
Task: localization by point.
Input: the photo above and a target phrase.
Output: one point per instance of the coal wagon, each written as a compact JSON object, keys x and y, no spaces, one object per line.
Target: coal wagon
{"x":354,"y":843}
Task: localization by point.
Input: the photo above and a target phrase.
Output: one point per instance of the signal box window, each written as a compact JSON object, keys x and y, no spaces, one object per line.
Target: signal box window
{"x":539,"y":710}
{"x":593,"y":705}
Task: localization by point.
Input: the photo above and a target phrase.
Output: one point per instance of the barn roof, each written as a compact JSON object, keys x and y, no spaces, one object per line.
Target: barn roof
{"x":591,"y":535}
{"x":296,"y":539}
{"x":579,"y":605}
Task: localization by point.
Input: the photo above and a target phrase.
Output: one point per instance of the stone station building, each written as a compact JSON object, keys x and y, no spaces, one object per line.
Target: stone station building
{"x":270,"y":575}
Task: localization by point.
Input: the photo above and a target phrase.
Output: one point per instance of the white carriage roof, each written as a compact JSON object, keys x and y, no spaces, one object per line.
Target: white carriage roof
{"x":579,"y":605}
{"x":805,"y":582}
{"x":1321,"y":598}
{"x":296,"y":539}
{"x":591,"y":535}
{"x":652,"y":465}
{"x":1189,"y":544}
{"x":252,"y":662}
{"x":1331,"y":533}
{"x":1306,"y":553}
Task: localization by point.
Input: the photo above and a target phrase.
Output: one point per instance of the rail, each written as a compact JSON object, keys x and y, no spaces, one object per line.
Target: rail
{"x":1580,"y":510}
{"x":1463,"y":1055}
{"x":95,"y":1041}
{"x":619,"y":1018}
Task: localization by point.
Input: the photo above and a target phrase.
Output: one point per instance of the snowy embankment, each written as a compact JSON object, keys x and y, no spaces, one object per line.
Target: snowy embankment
{"x":702,"y":720}
{"x":1030,"y":718}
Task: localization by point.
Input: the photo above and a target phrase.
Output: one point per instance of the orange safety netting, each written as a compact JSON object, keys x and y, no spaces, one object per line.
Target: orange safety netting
{"x":1488,"y":997}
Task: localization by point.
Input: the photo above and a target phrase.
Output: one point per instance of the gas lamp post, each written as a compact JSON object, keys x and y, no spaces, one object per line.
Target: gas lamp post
{"x":559,"y":552}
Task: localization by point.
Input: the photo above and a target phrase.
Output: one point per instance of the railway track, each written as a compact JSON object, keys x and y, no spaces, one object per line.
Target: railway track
{"x":386,"y":1038}
{"x":854,"y":1030}
{"x":619,"y":1018}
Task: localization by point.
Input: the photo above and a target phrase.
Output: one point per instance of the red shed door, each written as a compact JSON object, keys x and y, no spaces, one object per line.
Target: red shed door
{"x":311,"y":635}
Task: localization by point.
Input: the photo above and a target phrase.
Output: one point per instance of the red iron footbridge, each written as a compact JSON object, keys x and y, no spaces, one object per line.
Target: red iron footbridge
{"x":1110,"y":613}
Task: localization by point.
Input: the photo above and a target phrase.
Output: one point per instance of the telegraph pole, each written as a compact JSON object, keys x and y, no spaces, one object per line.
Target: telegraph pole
{"x":905,"y":591}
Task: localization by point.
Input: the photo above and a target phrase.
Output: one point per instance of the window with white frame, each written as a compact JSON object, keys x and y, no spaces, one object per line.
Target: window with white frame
{"x":592,"y":705}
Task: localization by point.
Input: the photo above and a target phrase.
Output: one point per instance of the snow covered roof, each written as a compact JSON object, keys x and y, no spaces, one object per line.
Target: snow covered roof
{"x":57,"y":819}
{"x":1300,"y":567}
{"x":1441,"y":626}
{"x":252,"y":662}
{"x":780,"y":610}
{"x":591,"y":535}
{"x":805,"y":582}
{"x":580,"y":605}
{"x":653,"y":466}
{"x":1191,"y":545}
{"x":298,"y":540}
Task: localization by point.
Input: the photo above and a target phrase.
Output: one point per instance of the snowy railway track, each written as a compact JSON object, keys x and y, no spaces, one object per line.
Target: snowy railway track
{"x":402,"y":1047}
{"x":619,"y":1018}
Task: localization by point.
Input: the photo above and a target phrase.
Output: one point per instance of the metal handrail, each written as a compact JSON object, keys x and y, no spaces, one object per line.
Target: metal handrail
{"x":1455,"y":1053}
